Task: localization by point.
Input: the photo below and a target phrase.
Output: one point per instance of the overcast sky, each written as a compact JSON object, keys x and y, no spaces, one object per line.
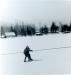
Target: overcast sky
{"x":35,"y":11}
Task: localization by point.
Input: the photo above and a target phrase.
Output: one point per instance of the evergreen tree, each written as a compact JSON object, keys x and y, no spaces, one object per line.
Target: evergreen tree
{"x":45,"y":29}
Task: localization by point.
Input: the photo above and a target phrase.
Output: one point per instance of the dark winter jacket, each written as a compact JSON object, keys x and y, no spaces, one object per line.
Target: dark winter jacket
{"x":27,"y":50}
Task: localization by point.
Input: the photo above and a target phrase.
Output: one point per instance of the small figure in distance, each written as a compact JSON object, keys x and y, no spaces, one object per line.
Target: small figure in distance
{"x":27,"y":54}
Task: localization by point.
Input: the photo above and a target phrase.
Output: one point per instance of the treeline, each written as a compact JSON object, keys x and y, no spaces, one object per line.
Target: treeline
{"x":30,"y":30}
{"x":19,"y":30}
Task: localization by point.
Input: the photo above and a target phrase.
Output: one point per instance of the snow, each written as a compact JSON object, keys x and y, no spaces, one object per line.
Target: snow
{"x":57,"y":61}
{"x":10,"y":34}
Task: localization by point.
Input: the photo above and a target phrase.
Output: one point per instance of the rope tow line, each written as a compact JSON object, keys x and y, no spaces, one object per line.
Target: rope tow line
{"x":36,"y":50}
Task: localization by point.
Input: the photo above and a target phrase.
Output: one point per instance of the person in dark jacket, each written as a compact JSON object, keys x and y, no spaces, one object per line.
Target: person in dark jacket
{"x":27,"y":54}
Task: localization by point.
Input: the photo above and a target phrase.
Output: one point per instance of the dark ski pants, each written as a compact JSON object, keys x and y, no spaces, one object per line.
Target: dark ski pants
{"x":27,"y":56}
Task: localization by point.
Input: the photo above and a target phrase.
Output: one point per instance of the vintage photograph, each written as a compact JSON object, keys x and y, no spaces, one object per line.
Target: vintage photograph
{"x":35,"y":37}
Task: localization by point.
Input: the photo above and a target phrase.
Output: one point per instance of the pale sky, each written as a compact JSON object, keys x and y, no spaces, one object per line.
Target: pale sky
{"x":35,"y":11}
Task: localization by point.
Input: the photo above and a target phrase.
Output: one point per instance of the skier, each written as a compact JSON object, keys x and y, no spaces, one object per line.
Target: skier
{"x":27,"y":54}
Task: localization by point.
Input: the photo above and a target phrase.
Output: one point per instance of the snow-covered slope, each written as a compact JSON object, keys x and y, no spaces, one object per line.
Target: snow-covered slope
{"x":56,"y":61}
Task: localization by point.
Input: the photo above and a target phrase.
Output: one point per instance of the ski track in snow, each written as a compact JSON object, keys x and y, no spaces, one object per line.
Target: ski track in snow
{"x":48,"y":62}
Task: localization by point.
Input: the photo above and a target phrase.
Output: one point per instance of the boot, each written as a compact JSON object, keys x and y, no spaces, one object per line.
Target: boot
{"x":25,"y":59}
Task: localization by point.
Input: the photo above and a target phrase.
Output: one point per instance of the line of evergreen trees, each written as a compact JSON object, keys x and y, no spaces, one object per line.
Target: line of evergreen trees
{"x":30,"y":30}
